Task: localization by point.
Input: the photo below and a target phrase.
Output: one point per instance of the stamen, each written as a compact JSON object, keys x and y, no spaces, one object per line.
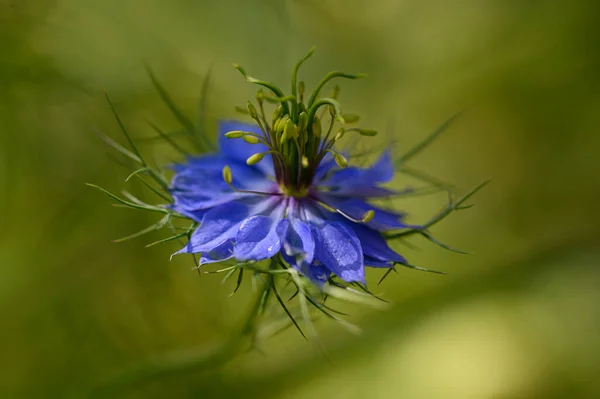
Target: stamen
{"x":252,"y":110}
{"x":228,"y":178}
{"x":227,"y":174}
{"x":341,"y":161}
{"x":316,"y":127}
{"x":235,"y":134}
{"x":250,"y":139}
{"x":351,"y":118}
{"x":339,"y":134}
{"x":255,"y":158}
{"x":348,"y":216}
{"x":366,"y":218}
{"x":323,"y":146}
{"x":241,"y":110}
{"x":304,"y":161}
{"x":276,"y":115}
{"x":294,"y":133}
{"x":280,"y":124}
{"x":301,"y":88}
{"x":302,"y":121}
{"x":363,"y":132}
{"x":290,"y":132}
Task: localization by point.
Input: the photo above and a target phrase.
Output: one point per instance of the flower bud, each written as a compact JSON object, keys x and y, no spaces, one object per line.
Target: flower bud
{"x":256,"y":158}
{"x":227,"y":174}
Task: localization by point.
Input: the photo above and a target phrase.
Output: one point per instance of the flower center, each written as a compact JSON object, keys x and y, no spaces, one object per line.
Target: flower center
{"x":300,"y":132}
{"x":296,"y":192}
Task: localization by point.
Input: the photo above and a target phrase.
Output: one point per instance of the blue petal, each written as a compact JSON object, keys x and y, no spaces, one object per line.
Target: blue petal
{"x":359,"y":190}
{"x":339,"y":250}
{"x":257,"y":239}
{"x":219,"y":225}
{"x":199,"y":185}
{"x":380,"y":172}
{"x":377,"y":263}
{"x":196,"y":206}
{"x":374,"y":245}
{"x":221,"y":253}
{"x":207,"y":170}
{"x":326,"y":165}
{"x":362,"y":182}
{"x":298,"y":241}
{"x":316,"y":272}
{"x":383,"y":169}
{"x":202,"y":172}
{"x":238,"y":149}
{"x":201,"y":162}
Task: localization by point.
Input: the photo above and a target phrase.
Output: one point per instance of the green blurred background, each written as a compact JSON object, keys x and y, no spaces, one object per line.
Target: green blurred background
{"x":519,"y":319}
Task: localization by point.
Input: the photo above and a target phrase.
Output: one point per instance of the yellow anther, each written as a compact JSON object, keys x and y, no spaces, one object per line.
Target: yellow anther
{"x":340,"y":160}
{"x":234,"y":134}
{"x":304,"y":161}
{"x":368,"y":216}
{"x":227,"y":174}
{"x":251,"y":139}
{"x":256,"y":158}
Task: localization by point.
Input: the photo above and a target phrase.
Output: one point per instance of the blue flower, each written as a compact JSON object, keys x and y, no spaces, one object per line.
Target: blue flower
{"x":279,"y":189}
{"x":307,"y":208}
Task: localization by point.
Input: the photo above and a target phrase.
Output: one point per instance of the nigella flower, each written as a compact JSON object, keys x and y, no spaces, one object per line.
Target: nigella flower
{"x":280,"y":189}
{"x":279,"y":197}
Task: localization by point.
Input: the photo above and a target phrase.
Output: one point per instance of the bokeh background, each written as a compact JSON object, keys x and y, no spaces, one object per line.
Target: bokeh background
{"x":519,"y":319}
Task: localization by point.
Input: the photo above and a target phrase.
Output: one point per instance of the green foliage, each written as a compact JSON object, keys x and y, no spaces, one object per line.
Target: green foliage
{"x":79,"y":310}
